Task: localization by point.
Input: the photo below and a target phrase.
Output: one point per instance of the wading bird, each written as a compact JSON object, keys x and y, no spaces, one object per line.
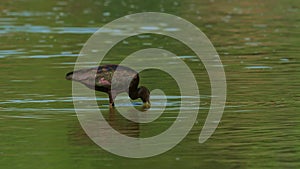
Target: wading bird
{"x":112,"y":79}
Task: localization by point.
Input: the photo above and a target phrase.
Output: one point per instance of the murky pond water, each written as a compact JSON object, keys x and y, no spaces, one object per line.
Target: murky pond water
{"x":258,"y":42}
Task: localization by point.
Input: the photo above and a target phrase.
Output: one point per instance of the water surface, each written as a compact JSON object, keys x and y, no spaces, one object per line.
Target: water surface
{"x":258,"y":42}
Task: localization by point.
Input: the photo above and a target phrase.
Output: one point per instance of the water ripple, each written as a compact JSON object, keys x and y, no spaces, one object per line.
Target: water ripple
{"x":46,"y":29}
{"x":258,"y":67}
{"x":50,"y":56}
{"x":5,"y":53}
{"x":29,"y":13}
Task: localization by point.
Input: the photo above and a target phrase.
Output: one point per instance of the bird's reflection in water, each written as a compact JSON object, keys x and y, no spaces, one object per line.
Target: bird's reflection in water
{"x":123,"y":125}
{"x":115,"y":120}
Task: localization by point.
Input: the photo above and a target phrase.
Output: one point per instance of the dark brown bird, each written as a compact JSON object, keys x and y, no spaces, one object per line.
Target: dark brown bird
{"x":101,"y":78}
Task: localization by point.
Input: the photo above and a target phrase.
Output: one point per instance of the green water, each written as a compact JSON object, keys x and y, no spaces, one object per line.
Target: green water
{"x":258,"y":42}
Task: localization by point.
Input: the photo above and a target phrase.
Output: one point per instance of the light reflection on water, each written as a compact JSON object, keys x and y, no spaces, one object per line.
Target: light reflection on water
{"x":4,"y":29}
{"x":47,"y":30}
{"x":155,"y":100}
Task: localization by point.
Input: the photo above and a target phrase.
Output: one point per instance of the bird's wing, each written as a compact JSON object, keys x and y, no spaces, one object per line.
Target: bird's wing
{"x":120,"y":78}
{"x":103,"y":78}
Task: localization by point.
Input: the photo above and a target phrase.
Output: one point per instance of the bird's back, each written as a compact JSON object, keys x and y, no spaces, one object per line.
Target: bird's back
{"x":117,"y":78}
{"x":107,"y":77}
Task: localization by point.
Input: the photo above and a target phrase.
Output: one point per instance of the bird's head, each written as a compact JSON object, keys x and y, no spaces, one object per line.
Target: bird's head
{"x":144,"y":94}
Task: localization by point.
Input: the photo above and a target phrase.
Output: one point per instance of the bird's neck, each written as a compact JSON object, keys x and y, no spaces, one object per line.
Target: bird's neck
{"x":133,"y":93}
